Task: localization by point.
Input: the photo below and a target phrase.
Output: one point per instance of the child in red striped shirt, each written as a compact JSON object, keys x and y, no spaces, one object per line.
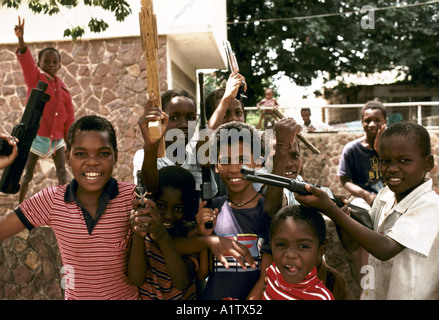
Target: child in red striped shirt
{"x":297,"y":239}
{"x":155,"y":265}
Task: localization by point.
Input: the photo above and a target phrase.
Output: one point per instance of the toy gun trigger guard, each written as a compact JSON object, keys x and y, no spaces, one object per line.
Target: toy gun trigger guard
{"x":140,"y":190}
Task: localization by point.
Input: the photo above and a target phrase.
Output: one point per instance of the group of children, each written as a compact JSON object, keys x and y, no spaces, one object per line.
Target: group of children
{"x":264,"y":243}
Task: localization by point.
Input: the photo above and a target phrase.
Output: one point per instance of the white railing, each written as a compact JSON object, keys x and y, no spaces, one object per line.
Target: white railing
{"x":420,"y":105}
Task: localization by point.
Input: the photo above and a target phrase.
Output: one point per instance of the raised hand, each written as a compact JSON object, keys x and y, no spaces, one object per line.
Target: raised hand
{"x":152,"y":113}
{"x":204,"y":215}
{"x":19,"y":28}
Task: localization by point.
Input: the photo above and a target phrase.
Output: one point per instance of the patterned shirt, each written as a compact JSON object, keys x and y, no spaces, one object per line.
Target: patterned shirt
{"x":158,"y":283}
{"x":311,"y":288}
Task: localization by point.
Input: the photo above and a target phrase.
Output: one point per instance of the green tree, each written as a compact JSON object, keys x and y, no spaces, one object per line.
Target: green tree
{"x":120,"y":8}
{"x":302,"y":39}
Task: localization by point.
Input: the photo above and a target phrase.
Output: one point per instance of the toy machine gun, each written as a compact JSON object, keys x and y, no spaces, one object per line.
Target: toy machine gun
{"x":25,"y":131}
{"x":149,"y":39}
{"x":233,"y":65}
{"x":359,"y":214}
{"x":206,"y":187}
{"x":305,"y":141}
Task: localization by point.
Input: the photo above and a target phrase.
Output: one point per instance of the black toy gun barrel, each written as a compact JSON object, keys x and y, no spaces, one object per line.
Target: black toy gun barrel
{"x":206,"y":186}
{"x":283,"y":182}
{"x":25,"y":131}
{"x":359,"y":214}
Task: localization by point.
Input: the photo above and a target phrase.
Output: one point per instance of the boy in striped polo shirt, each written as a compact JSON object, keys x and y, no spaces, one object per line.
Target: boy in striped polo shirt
{"x":89,"y":216}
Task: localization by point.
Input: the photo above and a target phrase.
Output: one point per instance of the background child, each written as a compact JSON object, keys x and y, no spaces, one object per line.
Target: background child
{"x":359,"y":170}
{"x":404,"y":245}
{"x":297,"y":240}
{"x":222,"y":105}
{"x":155,"y":265}
{"x":267,"y":115}
{"x":89,"y":216}
{"x":359,"y":165}
{"x":240,"y":216}
{"x":58,"y":112}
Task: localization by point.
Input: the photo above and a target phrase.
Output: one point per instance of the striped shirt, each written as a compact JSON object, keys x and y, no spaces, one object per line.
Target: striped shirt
{"x":94,"y":256}
{"x":158,"y":283}
{"x":311,"y":288}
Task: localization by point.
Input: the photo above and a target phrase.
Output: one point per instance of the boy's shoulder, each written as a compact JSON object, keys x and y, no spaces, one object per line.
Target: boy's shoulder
{"x":124,"y":186}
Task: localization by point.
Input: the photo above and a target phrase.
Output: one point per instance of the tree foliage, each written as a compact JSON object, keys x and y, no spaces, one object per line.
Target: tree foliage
{"x":120,"y":8}
{"x":302,"y":39}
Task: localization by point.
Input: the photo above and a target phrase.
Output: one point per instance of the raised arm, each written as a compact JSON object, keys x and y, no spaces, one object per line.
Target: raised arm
{"x":10,"y":225}
{"x":286,"y":130}
{"x":149,"y":167}
{"x":19,"y":32}
{"x":380,"y":246}
{"x":232,"y":86}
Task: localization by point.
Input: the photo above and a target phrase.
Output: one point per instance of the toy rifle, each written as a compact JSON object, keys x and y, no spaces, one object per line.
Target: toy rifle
{"x":305,"y":141}
{"x":359,"y":214}
{"x":149,"y":39}
{"x":25,"y":131}
{"x":233,"y":65}
{"x":206,"y":187}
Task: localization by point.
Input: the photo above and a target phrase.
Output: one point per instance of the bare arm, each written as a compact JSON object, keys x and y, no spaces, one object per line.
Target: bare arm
{"x":258,"y":289}
{"x":147,"y":220}
{"x":150,"y":176}
{"x":286,"y":131}
{"x":10,"y":225}
{"x":357,"y":191}
{"x":137,"y":261}
{"x":220,"y":247}
{"x":380,"y":246}
{"x":232,"y":86}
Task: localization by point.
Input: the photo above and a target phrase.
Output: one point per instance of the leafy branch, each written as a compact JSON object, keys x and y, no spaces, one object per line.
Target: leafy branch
{"x":120,"y":8}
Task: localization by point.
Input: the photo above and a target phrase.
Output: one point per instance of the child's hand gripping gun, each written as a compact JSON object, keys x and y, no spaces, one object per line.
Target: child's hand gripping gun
{"x":359,"y":214}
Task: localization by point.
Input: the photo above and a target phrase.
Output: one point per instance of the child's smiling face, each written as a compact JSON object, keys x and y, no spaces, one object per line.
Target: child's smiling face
{"x":295,"y":248}
{"x":91,"y":159}
{"x":230,"y":163}
{"x":402,"y":166}
{"x":170,"y":206}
